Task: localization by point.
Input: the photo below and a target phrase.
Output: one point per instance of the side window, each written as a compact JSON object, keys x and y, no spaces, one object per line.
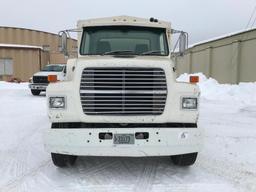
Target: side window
{"x":6,"y":66}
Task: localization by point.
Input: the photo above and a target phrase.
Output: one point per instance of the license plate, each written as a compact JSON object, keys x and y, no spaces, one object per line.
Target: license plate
{"x":124,"y":139}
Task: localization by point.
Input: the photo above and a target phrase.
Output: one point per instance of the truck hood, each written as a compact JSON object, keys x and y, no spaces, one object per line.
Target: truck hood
{"x":121,"y":61}
{"x":81,"y":63}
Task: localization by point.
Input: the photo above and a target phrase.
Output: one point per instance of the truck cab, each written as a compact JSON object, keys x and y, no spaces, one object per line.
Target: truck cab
{"x":39,"y":81}
{"x":120,"y":96}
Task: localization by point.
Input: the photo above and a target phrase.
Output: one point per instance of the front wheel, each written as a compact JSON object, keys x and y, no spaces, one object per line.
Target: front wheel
{"x":184,"y":159}
{"x":61,"y":160}
{"x":35,"y":92}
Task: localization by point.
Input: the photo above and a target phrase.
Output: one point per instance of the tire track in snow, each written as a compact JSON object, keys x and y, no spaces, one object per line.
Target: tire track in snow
{"x":17,"y":162}
{"x":230,"y":171}
{"x":146,"y":178}
{"x":18,"y":180}
{"x":126,"y":164}
{"x":100,"y":167}
{"x":92,"y":172}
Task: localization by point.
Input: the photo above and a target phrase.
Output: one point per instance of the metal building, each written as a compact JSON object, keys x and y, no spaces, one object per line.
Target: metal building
{"x":228,"y":59}
{"x":25,"y":51}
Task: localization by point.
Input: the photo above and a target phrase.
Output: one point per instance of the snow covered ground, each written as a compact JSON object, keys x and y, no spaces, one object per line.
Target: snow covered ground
{"x":227,"y":162}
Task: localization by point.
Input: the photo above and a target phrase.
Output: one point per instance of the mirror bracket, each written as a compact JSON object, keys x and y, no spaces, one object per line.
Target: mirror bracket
{"x":63,"y":42}
{"x":182,"y":42}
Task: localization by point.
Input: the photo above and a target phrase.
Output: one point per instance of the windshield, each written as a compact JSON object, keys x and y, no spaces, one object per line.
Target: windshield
{"x":128,"y":40}
{"x":56,"y":68}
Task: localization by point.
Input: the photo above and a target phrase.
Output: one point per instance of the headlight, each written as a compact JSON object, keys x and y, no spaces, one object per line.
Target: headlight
{"x":57,"y":102}
{"x":189,"y":103}
{"x":30,"y":80}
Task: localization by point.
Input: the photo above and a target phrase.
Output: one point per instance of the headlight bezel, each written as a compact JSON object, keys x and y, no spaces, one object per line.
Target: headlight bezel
{"x":193,"y":108}
{"x":61,"y":107}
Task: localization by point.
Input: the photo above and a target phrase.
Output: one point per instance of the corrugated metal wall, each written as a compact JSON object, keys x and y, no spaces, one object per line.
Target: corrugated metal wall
{"x":25,"y":61}
{"x":229,"y":60}
{"x":28,"y":61}
{"x":22,"y":36}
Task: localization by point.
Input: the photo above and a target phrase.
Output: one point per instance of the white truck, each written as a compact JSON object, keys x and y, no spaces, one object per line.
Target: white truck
{"x":39,"y":81}
{"x":120,"y":96}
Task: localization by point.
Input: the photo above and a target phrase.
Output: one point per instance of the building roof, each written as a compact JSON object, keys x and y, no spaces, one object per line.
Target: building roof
{"x":22,"y":28}
{"x":20,"y":46}
{"x":227,"y":35}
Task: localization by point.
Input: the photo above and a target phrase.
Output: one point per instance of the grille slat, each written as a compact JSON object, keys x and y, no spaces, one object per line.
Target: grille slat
{"x":127,"y":101}
{"x":126,"y":92}
{"x":114,"y":78}
{"x":118,"y":71}
{"x":118,"y":83}
{"x":119,"y":86}
{"x":123,"y":91}
{"x":123,"y":112}
{"x":121,"y":107}
{"x":120,"y":104}
{"x":127,"y":97}
{"x":120,"y":75}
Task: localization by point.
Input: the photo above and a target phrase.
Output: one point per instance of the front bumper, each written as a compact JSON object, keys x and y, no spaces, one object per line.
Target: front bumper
{"x":38,"y":86}
{"x":86,"y":142}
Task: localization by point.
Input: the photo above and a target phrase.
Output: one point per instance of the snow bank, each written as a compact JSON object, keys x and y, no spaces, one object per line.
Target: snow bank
{"x":210,"y":89}
{"x":6,"y":85}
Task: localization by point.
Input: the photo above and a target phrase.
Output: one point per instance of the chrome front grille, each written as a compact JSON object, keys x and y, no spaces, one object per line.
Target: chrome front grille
{"x":40,"y":79}
{"x":123,"y":91}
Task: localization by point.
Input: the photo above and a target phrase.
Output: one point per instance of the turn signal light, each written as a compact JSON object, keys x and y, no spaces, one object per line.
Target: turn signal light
{"x":52,"y":78}
{"x":194,"y":79}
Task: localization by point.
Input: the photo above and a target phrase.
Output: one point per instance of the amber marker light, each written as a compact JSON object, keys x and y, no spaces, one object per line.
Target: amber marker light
{"x":194,"y":79}
{"x":52,"y":78}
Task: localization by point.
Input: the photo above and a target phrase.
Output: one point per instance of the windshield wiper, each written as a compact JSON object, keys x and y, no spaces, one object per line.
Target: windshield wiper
{"x":119,"y":52}
{"x":154,"y":52}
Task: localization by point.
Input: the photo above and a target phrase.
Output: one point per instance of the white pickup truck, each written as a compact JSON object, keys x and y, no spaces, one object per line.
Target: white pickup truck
{"x":120,"y":96}
{"x":39,"y":81}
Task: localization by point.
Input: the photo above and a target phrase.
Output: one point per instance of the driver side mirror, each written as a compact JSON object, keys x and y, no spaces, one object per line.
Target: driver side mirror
{"x":63,"y":42}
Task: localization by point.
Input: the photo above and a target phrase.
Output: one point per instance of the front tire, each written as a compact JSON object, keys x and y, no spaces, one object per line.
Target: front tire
{"x":184,"y":159}
{"x":61,"y":160}
{"x":35,"y":92}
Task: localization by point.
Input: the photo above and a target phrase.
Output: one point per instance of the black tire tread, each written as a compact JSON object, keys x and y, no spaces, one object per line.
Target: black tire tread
{"x":184,"y":159}
{"x":35,"y":92}
{"x":61,"y":160}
